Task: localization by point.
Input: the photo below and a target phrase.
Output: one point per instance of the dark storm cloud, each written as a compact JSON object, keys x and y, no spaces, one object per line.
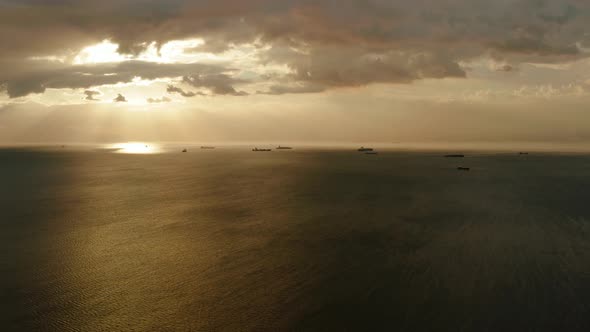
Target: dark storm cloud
{"x":339,"y":43}
{"x":120,"y":99}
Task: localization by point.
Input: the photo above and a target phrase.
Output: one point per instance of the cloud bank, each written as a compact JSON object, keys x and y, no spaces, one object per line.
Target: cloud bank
{"x":323,"y":44}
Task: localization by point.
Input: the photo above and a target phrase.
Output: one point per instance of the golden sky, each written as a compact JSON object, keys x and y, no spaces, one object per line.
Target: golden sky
{"x":321,"y":71}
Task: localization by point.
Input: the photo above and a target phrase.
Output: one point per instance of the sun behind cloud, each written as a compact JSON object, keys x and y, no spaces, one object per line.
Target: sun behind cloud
{"x":103,"y":52}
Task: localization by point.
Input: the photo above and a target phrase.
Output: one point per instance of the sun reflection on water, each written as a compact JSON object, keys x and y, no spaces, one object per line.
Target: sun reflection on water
{"x":135,"y":147}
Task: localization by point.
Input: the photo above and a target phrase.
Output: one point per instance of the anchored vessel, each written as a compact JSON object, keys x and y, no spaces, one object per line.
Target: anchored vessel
{"x":207,"y":147}
{"x":261,"y":150}
{"x":284,"y":148}
{"x":363,"y":149}
{"x":455,"y":156}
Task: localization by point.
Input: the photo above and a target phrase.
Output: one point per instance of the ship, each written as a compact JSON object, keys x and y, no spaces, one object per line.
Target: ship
{"x":455,"y":156}
{"x":363,"y":149}
{"x":207,"y":147}
{"x":261,"y":150}
{"x":371,"y":152}
{"x":463,"y":168}
{"x":284,"y":148}
{"x":185,"y":150}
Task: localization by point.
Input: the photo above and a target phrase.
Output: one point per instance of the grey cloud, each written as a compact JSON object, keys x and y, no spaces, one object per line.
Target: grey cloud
{"x":90,"y":95}
{"x":374,"y":23}
{"x":21,"y":88}
{"x":188,"y":94}
{"x":219,"y":84}
{"x":299,"y":88}
{"x":506,"y":68}
{"x":120,"y":99}
{"x":536,"y":47}
{"x":332,"y":66}
{"x":159,"y":100}
{"x":559,"y":14}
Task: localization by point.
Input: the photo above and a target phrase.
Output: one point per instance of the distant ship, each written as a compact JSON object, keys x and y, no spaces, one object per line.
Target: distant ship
{"x":523,"y":153}
{"x":455,"y":156}
{"x":363,"y":149}
{"x":371,"y":152}
{"x":284,"y":148}
{"x":185,"y":150}
{"x":207,"y":147}
{"x":261,"y":150}
{"x":463,"y":168}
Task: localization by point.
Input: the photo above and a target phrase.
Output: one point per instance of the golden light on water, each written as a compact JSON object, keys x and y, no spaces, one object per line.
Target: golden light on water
{"x":135,"y":148}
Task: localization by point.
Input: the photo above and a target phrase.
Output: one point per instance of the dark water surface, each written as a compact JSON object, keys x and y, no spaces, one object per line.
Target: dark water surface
{"x":231,"y":240}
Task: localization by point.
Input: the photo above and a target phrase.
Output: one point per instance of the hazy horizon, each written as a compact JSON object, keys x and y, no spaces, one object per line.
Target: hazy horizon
{"x":473,"y":147}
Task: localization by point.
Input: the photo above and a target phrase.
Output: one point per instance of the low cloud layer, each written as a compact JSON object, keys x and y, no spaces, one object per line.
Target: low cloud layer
{"x":59,"y":76}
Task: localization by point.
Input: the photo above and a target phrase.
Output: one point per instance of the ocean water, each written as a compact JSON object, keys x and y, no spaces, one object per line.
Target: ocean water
{"x":302,"y":240}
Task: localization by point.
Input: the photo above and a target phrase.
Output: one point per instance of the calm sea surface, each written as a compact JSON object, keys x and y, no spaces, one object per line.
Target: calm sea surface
{"x":302,"y":240}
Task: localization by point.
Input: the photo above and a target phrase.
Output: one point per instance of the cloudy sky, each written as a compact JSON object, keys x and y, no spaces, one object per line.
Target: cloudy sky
{"x":295,"y":70}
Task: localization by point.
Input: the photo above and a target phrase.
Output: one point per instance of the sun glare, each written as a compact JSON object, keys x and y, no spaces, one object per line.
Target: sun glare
{"x":135,"y":148}
{"x":173,"y":51}
{"x":99,"y":53}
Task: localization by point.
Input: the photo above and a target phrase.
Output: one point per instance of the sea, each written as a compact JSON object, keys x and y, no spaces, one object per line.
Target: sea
{"x":139,"y":238}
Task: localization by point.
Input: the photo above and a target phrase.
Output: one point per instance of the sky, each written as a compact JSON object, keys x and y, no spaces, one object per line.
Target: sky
{"x":295,"y":70}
